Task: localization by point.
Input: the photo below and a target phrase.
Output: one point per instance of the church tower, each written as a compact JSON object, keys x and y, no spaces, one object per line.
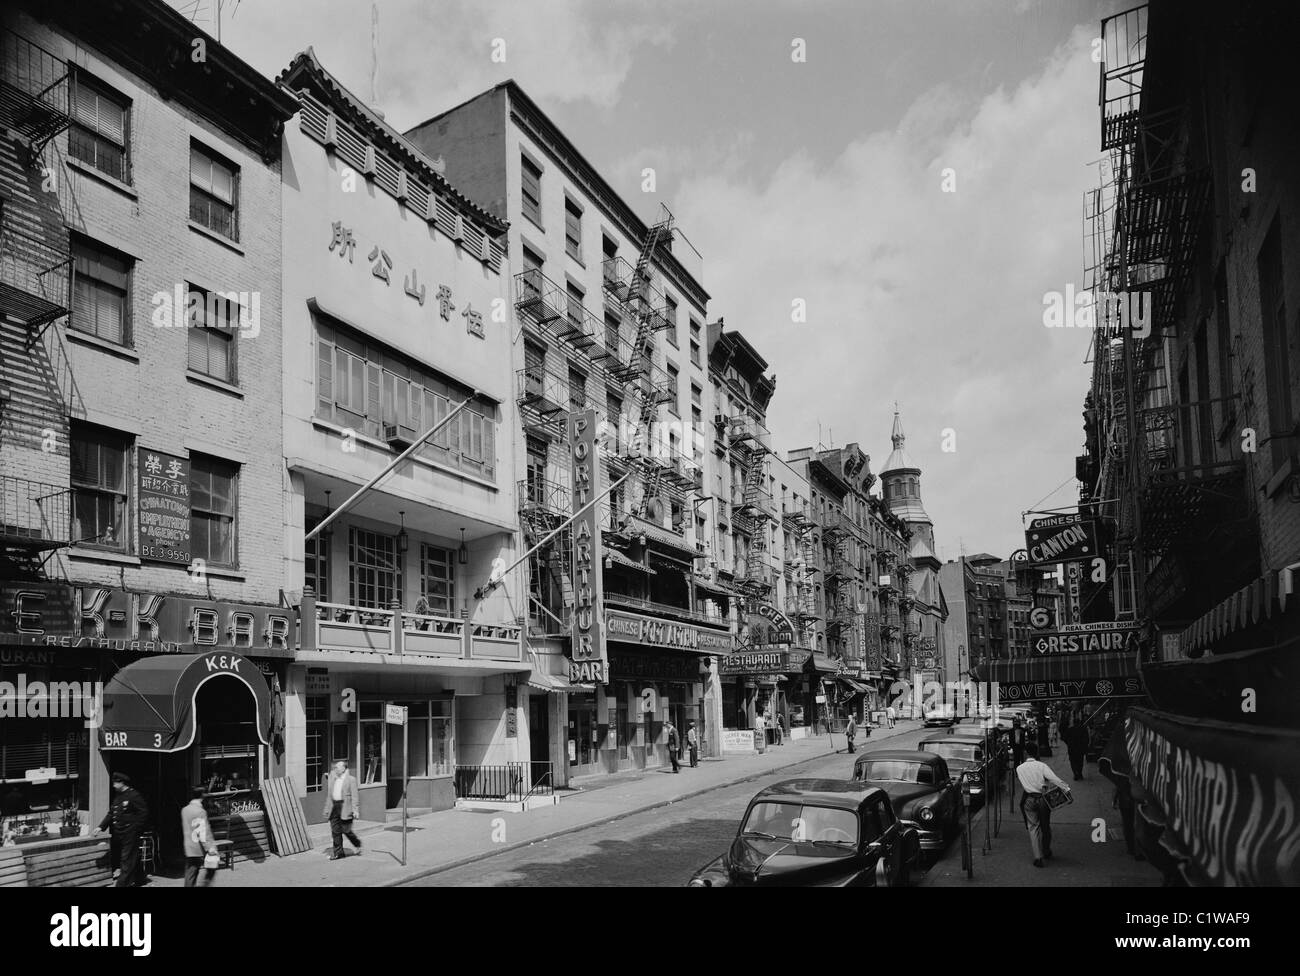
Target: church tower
{"x":900,"y":481}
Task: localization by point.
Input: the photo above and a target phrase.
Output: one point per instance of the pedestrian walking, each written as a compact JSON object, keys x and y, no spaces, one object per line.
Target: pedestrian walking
{"x":780,"y":730}
{"x":890,"y":715}
{"x":126,"y":817}
{"x":693,"y":744}
{"x":1053,"y":728}
{"x":342,"y":803}
{"x":672,"y":746}
{"x":1076,"y":744}
{"x":200,"y":845}
{"x":1035,"y":777}
{"x":851,"y":731}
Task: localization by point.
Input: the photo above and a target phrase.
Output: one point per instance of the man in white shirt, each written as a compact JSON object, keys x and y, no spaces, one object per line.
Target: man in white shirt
{"x":1035,"y":778}
{"x":342,"y":803}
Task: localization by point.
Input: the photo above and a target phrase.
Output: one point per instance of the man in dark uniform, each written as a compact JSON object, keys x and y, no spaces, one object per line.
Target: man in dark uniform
{"x":1018,"y":740}
{"x":127,"y":814}
{"x":1076,"y":743}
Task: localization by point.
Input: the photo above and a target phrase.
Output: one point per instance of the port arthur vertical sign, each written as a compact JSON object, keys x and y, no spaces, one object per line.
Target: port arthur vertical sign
{"x":589,"y":662}
{"x":1061,"y":539}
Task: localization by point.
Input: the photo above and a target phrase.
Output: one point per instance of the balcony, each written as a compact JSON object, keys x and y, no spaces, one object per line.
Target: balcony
{"x":620,"y":280}
{"x":34,"y":516}
{"x":747,"y":435}
{"x":642,"y":605}
{"x":35,"y":275}
{"x":399,"y":633}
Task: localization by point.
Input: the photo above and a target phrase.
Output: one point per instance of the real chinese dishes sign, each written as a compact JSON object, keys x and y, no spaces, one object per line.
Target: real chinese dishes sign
{"x":164,"y":494}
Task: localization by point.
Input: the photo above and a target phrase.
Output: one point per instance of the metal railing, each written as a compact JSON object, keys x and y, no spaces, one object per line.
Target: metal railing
{"x":550,"y":496}
{"x":33,"y":512}
{"x":637,"y":603}
{"x":33,"y":88}
{"x":514,"y":781}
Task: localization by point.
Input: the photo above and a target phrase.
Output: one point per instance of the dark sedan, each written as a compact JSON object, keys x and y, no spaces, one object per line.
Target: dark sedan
{"x":923,"y":793}
{"x":816,"y":832}
{"x":964,"y":753}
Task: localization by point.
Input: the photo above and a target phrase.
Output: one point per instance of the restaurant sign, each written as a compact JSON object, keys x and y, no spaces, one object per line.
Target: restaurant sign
{"x":654,"y":666}
{"x":1228,"y":795}
{"x":588,"y":648}
{"x":633,"y":628}
{"x":108,"y":619}
{"x":29,"y":610}
{"x":773,"y":662}
{"x":1061,"y":539}
{"x":164,"y":492}
{"x":1110,"y":636}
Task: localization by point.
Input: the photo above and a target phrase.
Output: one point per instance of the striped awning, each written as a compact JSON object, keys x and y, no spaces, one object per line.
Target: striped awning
{"x":554,"y":683}
{"x":1058,"y":667}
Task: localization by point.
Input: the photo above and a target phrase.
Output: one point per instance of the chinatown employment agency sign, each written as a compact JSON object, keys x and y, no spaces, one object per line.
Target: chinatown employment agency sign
{"x":1087,"y":639}
{"x":164,"y":492}
{"x":589,"y":662}
{"x":1061,"y":539}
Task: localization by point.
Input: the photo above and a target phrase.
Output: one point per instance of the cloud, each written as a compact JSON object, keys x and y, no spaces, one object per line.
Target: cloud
{"x":933,"y":299}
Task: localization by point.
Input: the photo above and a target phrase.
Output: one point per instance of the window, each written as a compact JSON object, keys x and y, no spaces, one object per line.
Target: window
{"x":363,"y":385}
{"x":99,"y":477}
{"x":317,"y":713}
{"x":212,"y":335}
{"x":612,"y":325}
{"x":670,"y":313}
{"x":531,"y":187}
{"x":672,"y":386}
{"x":577,"y":390}
{"x":614,"y":414}
{"x":99,"y":132}
{"x":1277,"y":353}
{"x":532,"y":264}
{"x":695,"y":342}
{"x":316,"y":559}
{"x":100,"y":293}
{"x":438,"y":579}
{"x":575,"y":312}
{"x":213,"y":492}
{"x":213,"y":192}
{"x":609,"y":257}
{"x":573,"y":230}
{"x":696,"y":394}
{"x":374,"y":572}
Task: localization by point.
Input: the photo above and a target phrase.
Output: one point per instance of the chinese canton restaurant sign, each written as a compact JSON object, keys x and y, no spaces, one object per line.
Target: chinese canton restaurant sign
{"x":164,"y":492}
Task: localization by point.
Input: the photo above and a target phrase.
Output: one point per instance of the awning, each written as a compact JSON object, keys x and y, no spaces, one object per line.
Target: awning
{"x":709,"y":587}
{"x":660,"y":537}
{"x":1058,"y":668}
{"x":854,"y":685}
{"x":820,"y":662}
{"x":554,"y":683}
{"x":149,"y":705}
{"x":617,"y":557}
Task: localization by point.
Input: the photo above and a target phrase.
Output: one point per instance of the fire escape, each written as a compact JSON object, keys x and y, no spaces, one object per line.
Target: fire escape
{"x":1171,"y":472}
{"x":839,"y":577}
{"x":37,"y":394}
{"x":805,"y":568}
{"x":750,"y":445}
{"x":595,"y":360}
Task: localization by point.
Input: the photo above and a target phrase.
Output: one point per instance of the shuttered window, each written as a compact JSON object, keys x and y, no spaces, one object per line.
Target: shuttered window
{"x":213,"y":193}
{"x":573,"y":229}
{"x":101,"y":281}
{"x":98,"y":134}
{"x":212,"y":328}
{"x":213,"y":504}
{"x":531,"y":187}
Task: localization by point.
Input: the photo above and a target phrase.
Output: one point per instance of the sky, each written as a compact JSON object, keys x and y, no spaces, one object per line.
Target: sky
{"x":914,"y":182}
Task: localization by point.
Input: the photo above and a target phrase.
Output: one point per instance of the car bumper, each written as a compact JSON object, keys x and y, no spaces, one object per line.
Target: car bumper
{"x":931,"y":837}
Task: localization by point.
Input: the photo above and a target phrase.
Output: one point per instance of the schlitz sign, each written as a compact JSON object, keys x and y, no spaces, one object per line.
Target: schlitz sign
{"x":1088,"y":639}
{"x":1061,"y":539}
{"x":149,"y":623}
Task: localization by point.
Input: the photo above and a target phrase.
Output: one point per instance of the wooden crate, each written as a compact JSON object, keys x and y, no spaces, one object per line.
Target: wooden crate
{"x":74,"y":862}
{"x":13,"y":868}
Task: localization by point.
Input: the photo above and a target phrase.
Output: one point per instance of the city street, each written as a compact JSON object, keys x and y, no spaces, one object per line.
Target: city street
{"x":661,"y":847}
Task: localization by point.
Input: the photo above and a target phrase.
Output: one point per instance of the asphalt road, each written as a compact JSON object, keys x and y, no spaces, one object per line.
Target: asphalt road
{"x":661,"y":847}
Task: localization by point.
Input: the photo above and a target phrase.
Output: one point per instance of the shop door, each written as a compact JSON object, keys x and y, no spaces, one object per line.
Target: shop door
{"x":539,"y":733}
{"x":581,"y":744}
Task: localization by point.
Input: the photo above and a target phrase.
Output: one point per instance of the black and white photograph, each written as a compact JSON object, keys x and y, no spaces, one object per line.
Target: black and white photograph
{"x":651,"y":444}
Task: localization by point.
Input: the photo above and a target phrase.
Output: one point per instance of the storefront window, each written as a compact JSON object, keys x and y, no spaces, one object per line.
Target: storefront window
{"x":442,"y":752}
{"x":317,"y":742}
{"x":372,"y":742}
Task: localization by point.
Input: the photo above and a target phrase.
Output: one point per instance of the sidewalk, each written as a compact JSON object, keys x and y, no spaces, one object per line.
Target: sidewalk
{"x":1077,"y":860}
{"x":451,"y":838}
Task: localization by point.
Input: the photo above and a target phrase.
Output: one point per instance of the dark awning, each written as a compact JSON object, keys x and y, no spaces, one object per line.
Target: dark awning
{"x":1058,"y":667}
{"x":820,"y":662}
{"x":853,"y":685}
{"x":149,"y":704}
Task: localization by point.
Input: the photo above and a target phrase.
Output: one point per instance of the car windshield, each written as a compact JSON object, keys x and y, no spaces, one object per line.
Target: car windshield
{"x":952,"y":750}
{"x":797,"y":822}
{"x":894,"y":771}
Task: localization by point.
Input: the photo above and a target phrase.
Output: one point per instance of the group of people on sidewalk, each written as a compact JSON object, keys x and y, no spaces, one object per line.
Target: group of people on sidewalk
{"x":674,"y":745}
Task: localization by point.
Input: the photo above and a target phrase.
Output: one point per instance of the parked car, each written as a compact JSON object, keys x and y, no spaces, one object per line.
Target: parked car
{"x":945,"y":714}
{"x":816,"y":832}
{"x":964,"y":752}
{"x":923,"y":793}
